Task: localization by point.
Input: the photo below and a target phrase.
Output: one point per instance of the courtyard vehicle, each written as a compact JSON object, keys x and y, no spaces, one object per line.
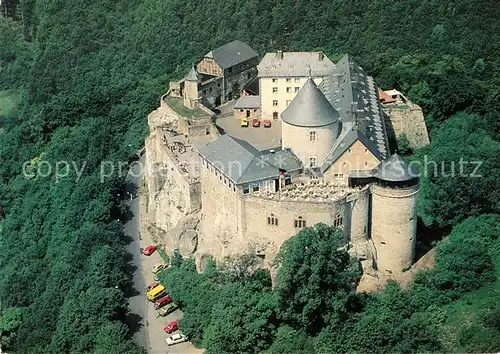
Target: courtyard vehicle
{"x":256,"y":122}
{"x":148,"y":250}
{"x":162,"y":301}
{"x":167,"y":310}
{"x":156,"y":293}
{"x":244,"y":122}
{"x":267,"y":123}
{"x":176,"y":339}
{"x":158,"y":267}
{"x":152,"y":286}
{"x":171,"y":327}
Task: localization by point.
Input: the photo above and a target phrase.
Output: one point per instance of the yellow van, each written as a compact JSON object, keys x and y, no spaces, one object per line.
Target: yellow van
{"x":155,"y":293}
{"x":244,"y":122}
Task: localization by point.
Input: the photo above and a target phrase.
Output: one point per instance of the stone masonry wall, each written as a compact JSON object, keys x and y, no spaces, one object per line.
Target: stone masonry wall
{"x":394,"y":226}
{"x":261,"y":236}
{"x":220,"y":218}
{"x":409,"y":121}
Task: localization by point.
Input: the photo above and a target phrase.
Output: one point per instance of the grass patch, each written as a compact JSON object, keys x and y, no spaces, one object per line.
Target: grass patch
{"x":164,"y":256}
{"x":399,"y":106}
{"x":178,"y":106}
{"x":464,"y":329}
{"x":9,"y":100}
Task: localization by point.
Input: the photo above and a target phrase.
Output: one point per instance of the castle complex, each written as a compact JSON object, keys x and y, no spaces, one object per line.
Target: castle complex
{"x":225,"y":193}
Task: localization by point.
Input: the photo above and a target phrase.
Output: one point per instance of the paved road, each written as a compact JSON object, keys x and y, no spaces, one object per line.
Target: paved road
{"x":143,"y":320}
{"x":137,"y":303}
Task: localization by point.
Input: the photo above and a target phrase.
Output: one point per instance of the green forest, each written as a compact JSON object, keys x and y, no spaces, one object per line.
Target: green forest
{"x":77,"y":80}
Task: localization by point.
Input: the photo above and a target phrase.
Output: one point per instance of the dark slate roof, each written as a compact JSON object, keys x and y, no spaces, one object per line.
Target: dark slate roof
{"x":192,"y":75}
{"x":295,"y":64}
{"x":248,"y":102}
{"x":242,"y":163}
{"x":310,"y":108}
{"x":355,"y":97}
{"x":252,"y":86}
{"x":231,"y":54}
{"x":395,"y":169}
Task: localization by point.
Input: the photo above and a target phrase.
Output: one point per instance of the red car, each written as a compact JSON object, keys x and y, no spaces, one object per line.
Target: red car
{"x":172,"y":327}
{"x":162,"y":301}
{"x":256,"y":122}
{"x":148,"y":250}
{"x":267,"y":123}
{"x":152,"y":285}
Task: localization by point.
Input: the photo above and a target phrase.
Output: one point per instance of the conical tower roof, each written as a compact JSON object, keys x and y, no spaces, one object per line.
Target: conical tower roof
{"x":310,"y":108}
{"x":395,"y":169}
{"x":192,"y":75}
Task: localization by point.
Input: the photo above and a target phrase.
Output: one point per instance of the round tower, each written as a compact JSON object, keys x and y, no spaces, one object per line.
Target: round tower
{"x":310,"y":125}
{"x":190,"y":93}
{"x":394,"y":216}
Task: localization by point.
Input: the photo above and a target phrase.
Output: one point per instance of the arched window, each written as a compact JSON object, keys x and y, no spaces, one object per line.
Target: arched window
{"x":300,"y":222}
{"x":338,"y":221}
{"x":272,"y":220}
{"x":312,"y":135}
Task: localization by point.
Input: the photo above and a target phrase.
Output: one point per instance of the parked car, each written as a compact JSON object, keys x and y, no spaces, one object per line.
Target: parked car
{"x":176,"y":339}
{"x":158,"y":267}
{"x":256,"y":122}
{"x":162,"y":301}
{"x":152,"y":286}
{"x":167,"y":310}
{"x":244,"y":122}
{"x":171,"y":327}
{"x":149,"y":249}
{"x":156,"y":293}
{"x":267,"y":123}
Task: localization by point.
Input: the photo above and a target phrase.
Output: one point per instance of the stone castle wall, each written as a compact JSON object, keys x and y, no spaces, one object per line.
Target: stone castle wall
{"x":409,"y":121}
{"x":394,"y":227}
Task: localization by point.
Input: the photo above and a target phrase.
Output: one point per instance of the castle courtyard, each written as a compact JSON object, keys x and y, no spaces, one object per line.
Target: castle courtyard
{"x":260,"y":137}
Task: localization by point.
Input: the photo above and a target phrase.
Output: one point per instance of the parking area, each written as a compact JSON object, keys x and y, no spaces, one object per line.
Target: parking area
{"x":260,"y":137}
{"x":155,"y":324}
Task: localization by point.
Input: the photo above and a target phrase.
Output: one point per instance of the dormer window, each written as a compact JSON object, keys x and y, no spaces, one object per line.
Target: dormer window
{"x":312,"y":135}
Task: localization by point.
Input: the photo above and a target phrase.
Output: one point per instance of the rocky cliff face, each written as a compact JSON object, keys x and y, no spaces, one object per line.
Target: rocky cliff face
{"x":170,"y":215}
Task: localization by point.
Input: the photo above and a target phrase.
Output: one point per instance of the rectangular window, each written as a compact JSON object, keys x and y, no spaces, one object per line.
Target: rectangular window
{"x":246,"y":189}
{"x":275,"y":80}
{"x":205,"y":91}
{"x":297,"y":79}
{"x":341,"y":175}
{"x":312,"y":162}
{"x":272,"y":220}
{"x":275,"y":115}
{"x":275,"y":103}
{"x":300,"y":223}
{"x":275,"y":90}
{"x":255,"y":187}
{"x":288,"y":79}
{"x":241,"y":110}
{"x":312,"y":136}
{"x":288,"y":90}
{"x":297,"y":89}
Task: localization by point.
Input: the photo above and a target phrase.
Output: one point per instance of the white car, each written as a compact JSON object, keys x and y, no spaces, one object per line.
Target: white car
{"x":176,"y":339}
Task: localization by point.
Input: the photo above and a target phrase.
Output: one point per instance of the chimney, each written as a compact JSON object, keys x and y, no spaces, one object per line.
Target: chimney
{"x":321,"y":56}
{"x":279,"y":54}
